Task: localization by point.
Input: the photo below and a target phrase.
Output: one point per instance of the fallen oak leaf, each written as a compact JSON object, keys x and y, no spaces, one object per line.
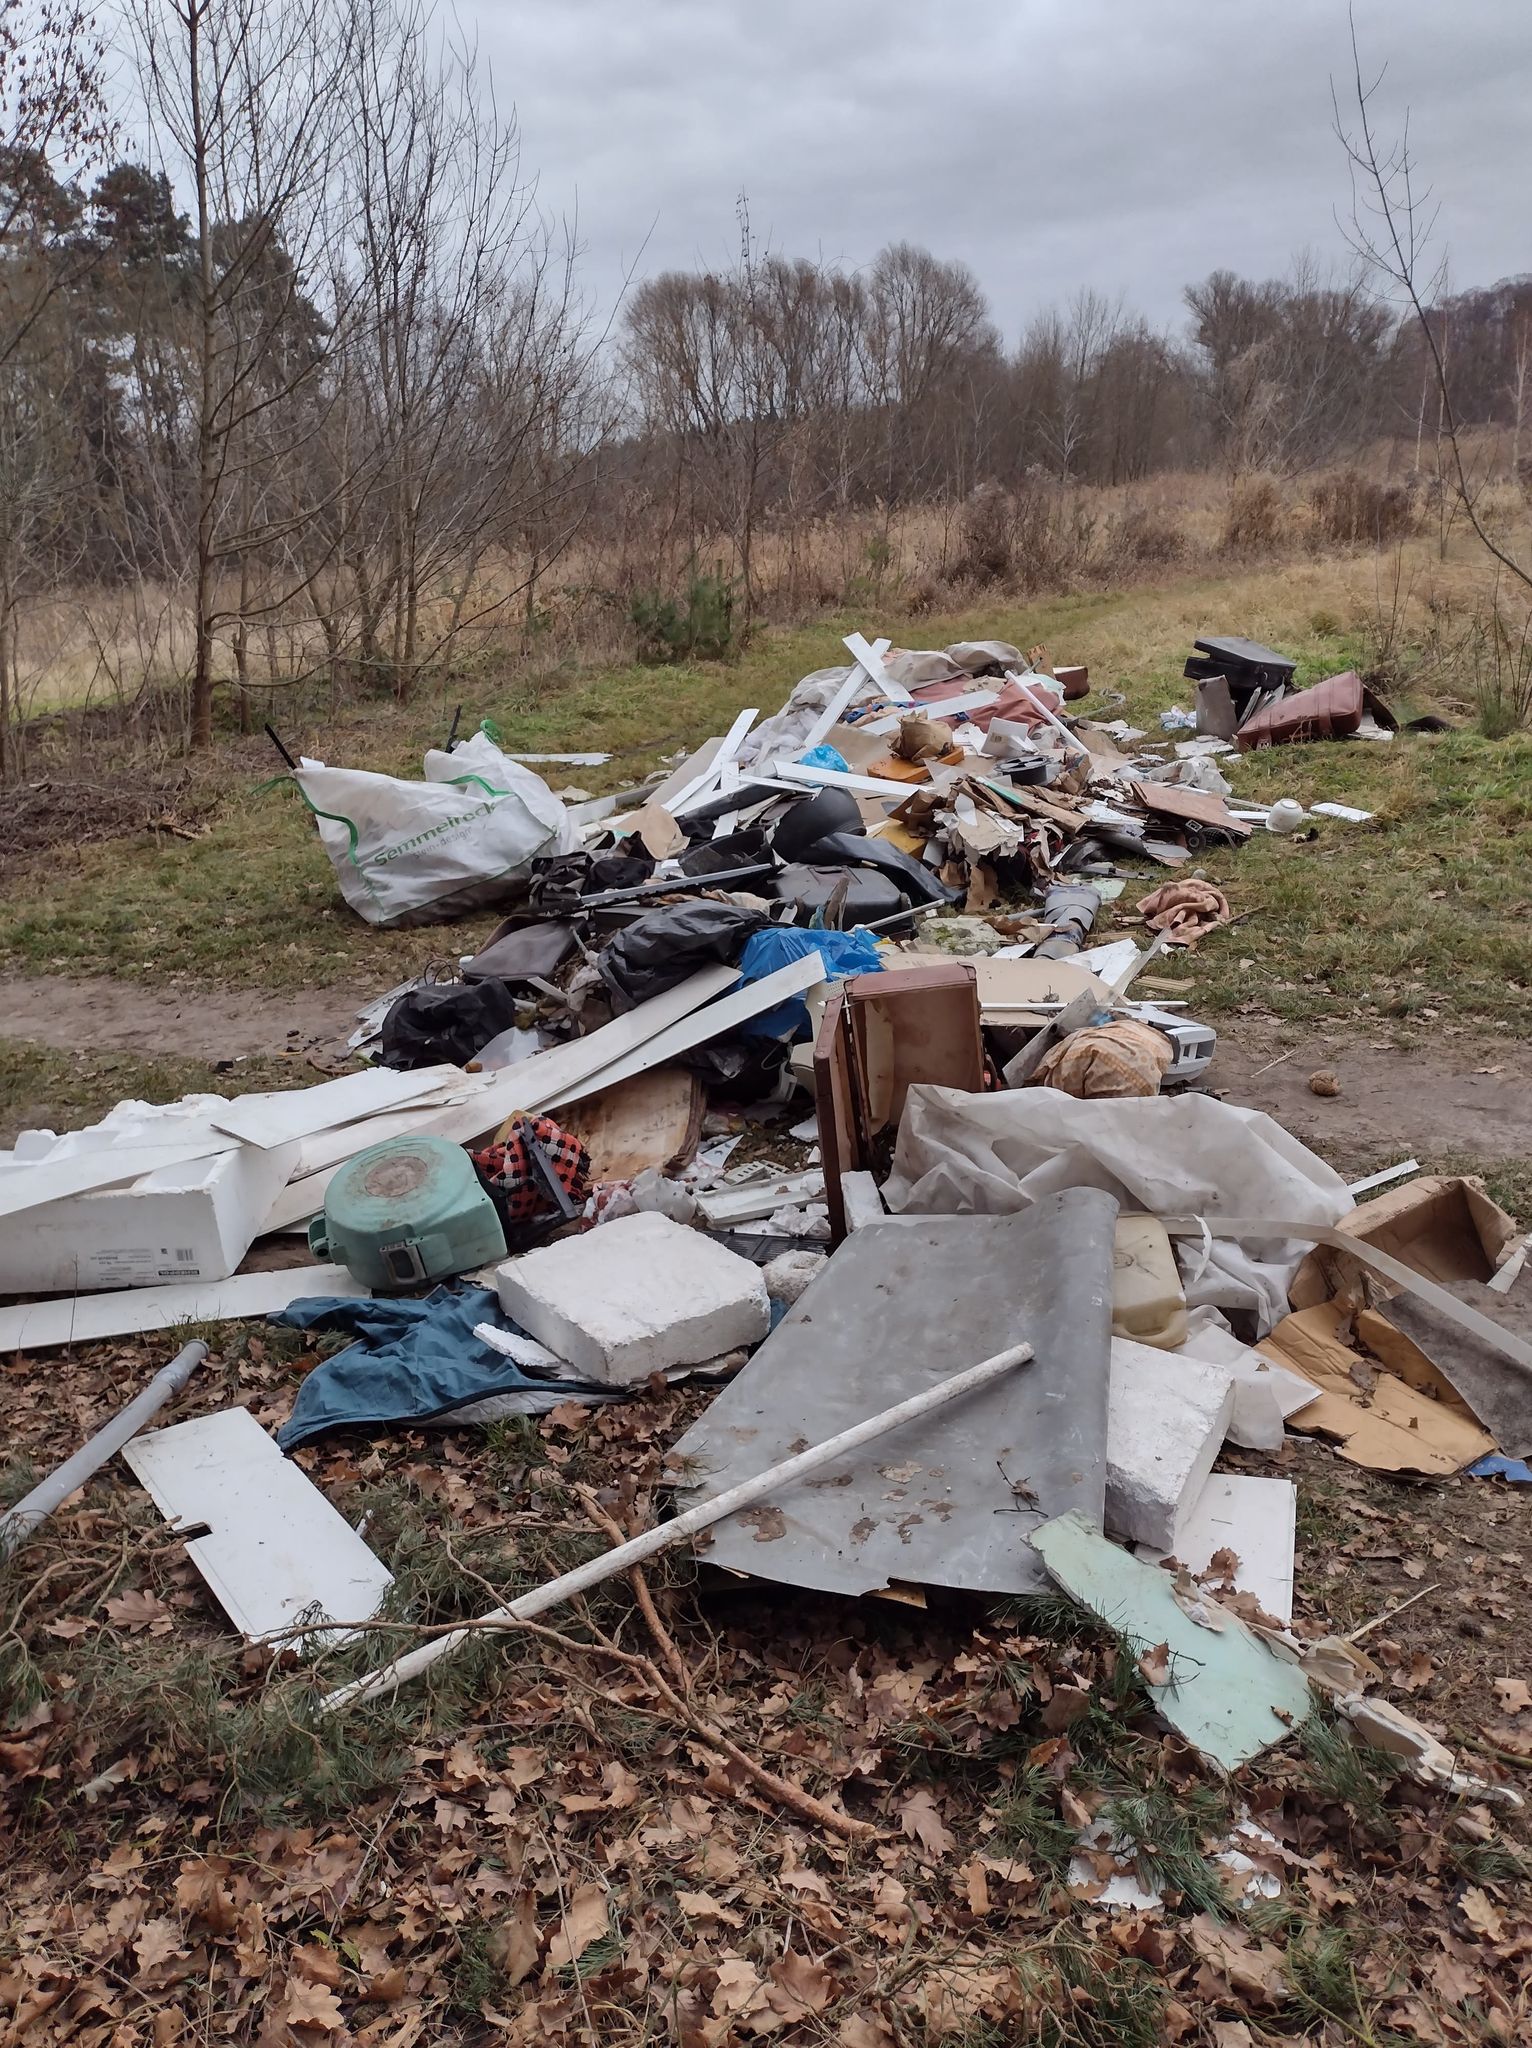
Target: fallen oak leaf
{"x":920,"y":1820}
{"x":136,"y":1610}
{"x":1249,"y":1966}
{"x":515,"y":1943}
{"x":586,"y":1920}
{"x":799,"y":1987}
{"x":158,"y":1941}
{"x":1154,"y":1665}
{"x":1482,"y":1914}
{"x":1513,"y":1695}
{"x":312,"y":2005}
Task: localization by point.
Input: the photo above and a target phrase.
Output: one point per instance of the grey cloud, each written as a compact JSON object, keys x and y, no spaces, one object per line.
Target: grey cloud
{"x":1130,"y":145}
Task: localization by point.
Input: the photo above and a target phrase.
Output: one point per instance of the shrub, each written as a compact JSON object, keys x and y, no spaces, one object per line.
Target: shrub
{"x":1145,"y":538}
{"x":1256,"y":519}
{"x":698,"y":628}
{"x":986,"y":538}
{"x":1350,"y":509}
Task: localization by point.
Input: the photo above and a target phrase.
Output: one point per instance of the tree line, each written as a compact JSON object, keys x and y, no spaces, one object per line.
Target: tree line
{"x":302,"y":380}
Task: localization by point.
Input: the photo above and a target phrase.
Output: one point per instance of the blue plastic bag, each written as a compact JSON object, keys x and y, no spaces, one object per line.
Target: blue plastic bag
{"x":843,"y":953}
{"x":825,"y":757}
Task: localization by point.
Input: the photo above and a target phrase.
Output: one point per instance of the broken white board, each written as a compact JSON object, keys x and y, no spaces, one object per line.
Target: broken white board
{"x":699,"y":1028}
{"x":275,"y":1553}
{"x":294,"y":1113}
{"x":84,"y":1319}
{"x":561,"y":1074}
{"x":1255,"y":1521}
{"x":1227,"y":1693}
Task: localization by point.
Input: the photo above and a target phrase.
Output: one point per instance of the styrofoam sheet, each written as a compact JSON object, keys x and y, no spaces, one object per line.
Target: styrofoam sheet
{"x":85,"y":1318}
{"x":295,"y":1113}
{"x":276,"y":1552}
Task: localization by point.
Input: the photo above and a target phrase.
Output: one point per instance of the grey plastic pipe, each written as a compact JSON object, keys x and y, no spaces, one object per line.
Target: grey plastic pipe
{"x":39,"y":1504}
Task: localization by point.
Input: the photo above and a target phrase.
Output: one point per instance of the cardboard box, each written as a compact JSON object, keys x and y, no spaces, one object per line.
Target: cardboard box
{"x":189,"y":1222}
{"x":1440,"y":1225}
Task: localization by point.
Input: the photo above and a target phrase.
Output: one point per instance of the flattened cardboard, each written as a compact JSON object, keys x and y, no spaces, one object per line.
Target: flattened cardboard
{"x":1189,"y":806}
{"x":1376,"y":1418}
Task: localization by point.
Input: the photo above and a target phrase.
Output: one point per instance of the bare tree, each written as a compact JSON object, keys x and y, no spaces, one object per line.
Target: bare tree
{"x":240,"y":99}
{"x":1391,"y":225}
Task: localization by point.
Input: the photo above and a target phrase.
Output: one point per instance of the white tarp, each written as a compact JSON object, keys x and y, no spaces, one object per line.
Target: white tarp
{"x":1169,"y":1155}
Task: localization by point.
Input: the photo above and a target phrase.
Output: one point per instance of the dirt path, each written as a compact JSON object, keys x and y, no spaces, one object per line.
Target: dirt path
{"x":102,"y":1015}
{"x":1394,"y":1103}
{"x":1391,"y":1103}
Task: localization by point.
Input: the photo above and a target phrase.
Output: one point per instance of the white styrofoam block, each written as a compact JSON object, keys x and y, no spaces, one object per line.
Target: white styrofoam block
{"x":193,"y":1221}
{"x":1257,"y":1520}
{"x":636,"y":1296}
{"x":1166,"y":1419}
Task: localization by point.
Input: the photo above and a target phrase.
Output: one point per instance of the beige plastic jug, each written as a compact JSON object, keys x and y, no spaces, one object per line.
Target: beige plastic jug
{"x":1147,"y":1302}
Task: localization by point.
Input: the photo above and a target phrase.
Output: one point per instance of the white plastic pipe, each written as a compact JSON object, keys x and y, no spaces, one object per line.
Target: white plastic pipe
{"x":665,"y":1535}
{"x":39,"y":1504}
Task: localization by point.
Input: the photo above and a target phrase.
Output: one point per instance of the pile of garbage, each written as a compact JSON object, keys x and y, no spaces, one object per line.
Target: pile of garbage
{"x":795,"y":1070}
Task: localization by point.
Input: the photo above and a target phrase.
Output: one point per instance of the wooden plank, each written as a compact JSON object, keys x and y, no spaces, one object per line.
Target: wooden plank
{"x":295,"y":1113}
{"x":276,"y":1552}
{"x":834,"y":778}
{"x":700,"y":785}
{"x":651,"y":1120}
{"x":84,"y":1318}
{"x":871,"y":659}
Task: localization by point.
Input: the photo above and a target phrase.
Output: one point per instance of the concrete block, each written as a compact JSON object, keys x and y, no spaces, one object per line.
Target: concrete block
{"x":1166,"y":1421}
{"x":1255,"y":1519}
{"x":636,"y":1296}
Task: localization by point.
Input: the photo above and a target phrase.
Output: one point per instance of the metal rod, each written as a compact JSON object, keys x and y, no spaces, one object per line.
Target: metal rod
{"x":665,"y":1535}
{"x":271,"y":734}
{"x":36,"y":1506}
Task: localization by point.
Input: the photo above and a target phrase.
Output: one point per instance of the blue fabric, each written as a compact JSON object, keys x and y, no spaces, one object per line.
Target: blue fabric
{"x":825,"y":757}
{"x":1517,"y":1470}
{"x":414,"y":1360}
{"x":779,"y":945}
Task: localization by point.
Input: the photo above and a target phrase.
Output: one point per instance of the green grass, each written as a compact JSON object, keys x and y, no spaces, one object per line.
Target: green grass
{"x":1424,"y":910}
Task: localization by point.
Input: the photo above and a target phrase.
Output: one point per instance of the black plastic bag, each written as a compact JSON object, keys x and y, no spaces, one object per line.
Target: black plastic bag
{"x":431,"y":1025}
{"x":661,"y":948}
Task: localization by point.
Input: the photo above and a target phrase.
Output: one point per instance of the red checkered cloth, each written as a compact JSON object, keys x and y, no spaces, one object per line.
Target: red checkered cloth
{"x":509,"y":1172}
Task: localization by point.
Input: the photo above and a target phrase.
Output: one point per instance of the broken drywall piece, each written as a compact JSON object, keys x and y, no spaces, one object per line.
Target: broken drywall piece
{"x":950,"y":1503}
{"x":1255,"y":1522}
{"x":1165,"y":1426}
{"x":1265,"y":1393}
{"x":275,"y":1552}
{"x":634,"y":1297}
{"x":1227,"y":1694}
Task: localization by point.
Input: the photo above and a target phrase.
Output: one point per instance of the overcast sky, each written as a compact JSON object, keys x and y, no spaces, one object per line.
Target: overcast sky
{"x":1132,"y":145}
